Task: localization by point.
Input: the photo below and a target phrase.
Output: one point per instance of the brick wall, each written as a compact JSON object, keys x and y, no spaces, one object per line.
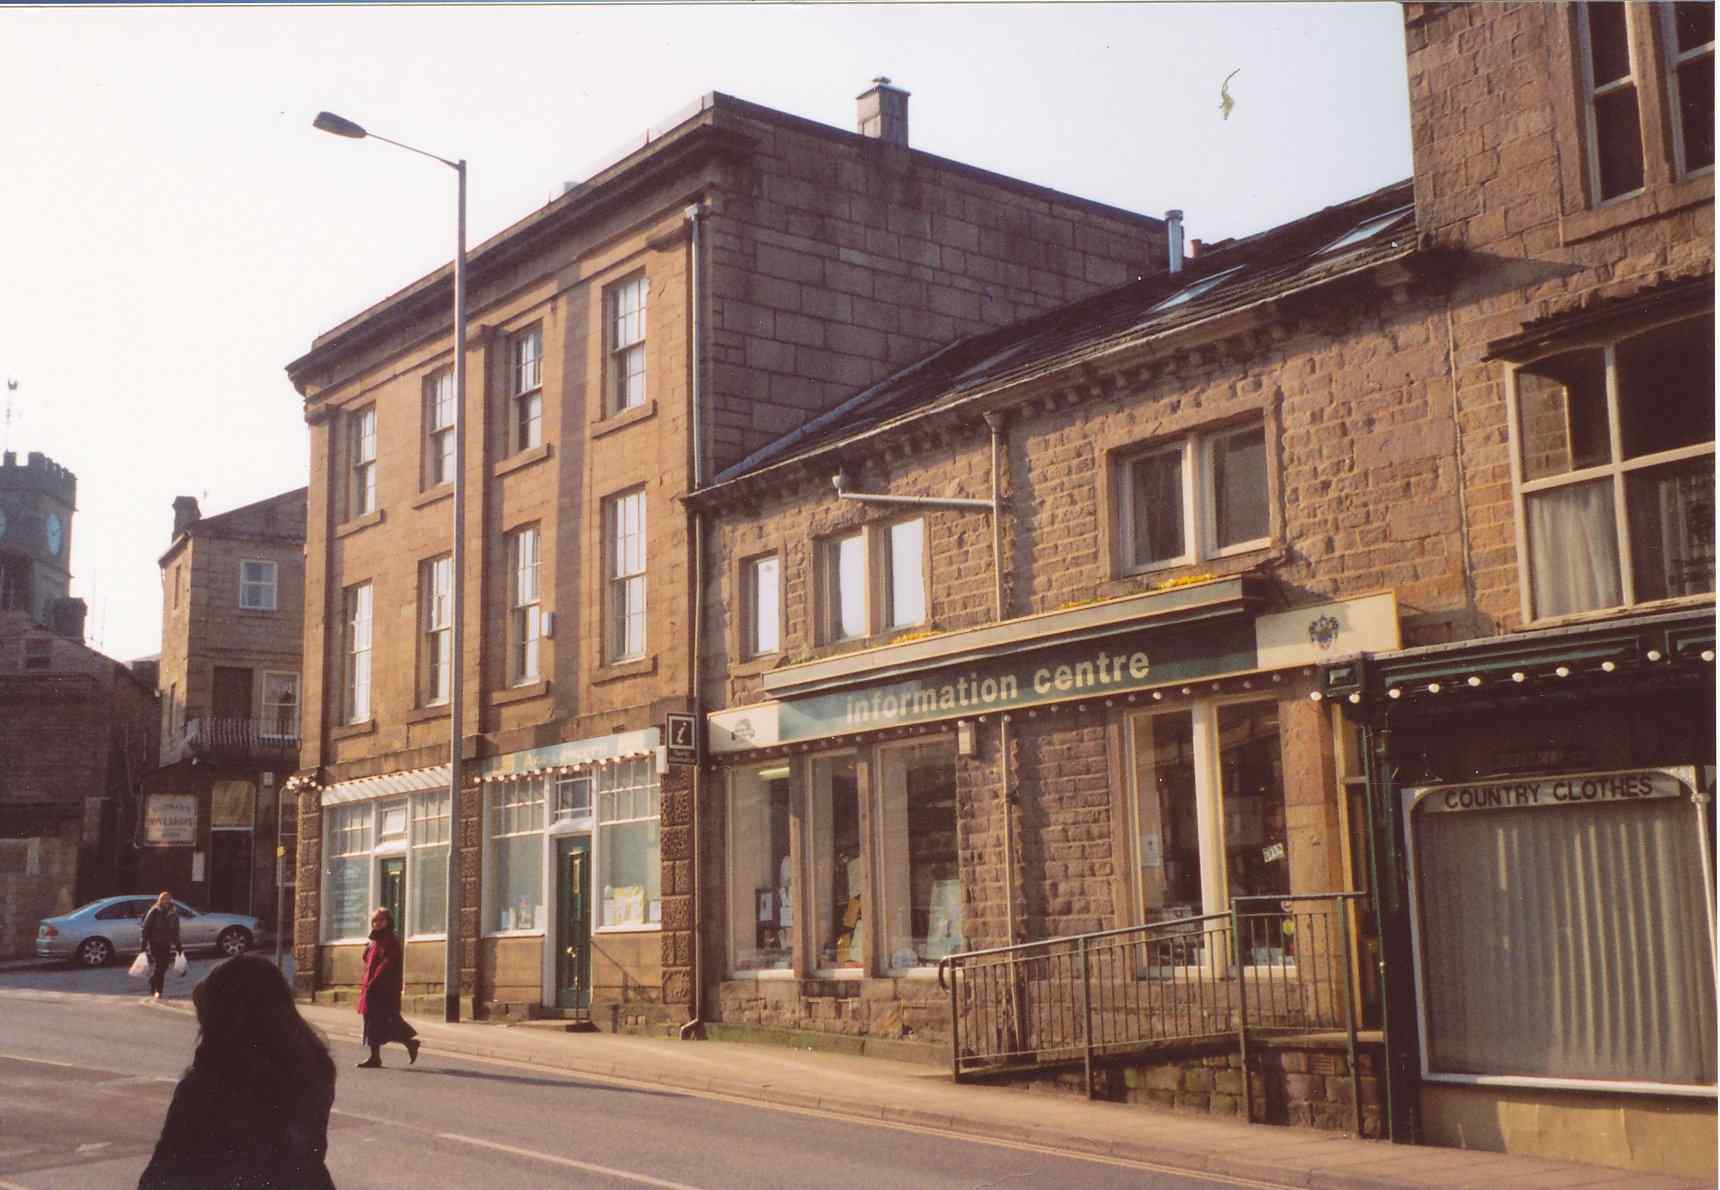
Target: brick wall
{"x":37,"y":878}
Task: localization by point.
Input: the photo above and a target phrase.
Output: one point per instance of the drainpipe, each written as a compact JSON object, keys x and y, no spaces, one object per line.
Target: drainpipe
{"x":693,"y":1026}
{"x":994,"y":422}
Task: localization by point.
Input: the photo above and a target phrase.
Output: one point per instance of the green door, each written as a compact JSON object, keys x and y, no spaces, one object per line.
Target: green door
{"x":394,"y":891}
{"x":573,"y":922}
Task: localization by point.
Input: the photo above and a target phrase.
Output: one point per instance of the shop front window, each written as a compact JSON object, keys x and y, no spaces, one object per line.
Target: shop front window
{"x":1256,"y":849}
{"x":629,"y":868}
{"x":920,"y":895}
{"x":1167,"y":826}
{"x":839,"y":933}
{"x":346,"y":871}
{"x":761,"y":874}
{"x":515,"y":868}
{"x":427,"y":887}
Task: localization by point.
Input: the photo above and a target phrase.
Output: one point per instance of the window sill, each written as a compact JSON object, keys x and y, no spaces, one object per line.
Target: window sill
{"x":522,"y":460}
{"x":755,"y":665}
{"x":1613,"y":613}
{"x":426,"y":714}
{"x":433,"y":495}
{"x":644,"y":928}
{"x":620,"y":421}
{"x":426,"y":937}
{"x":258,"y":611}
{"x":513,"y":694}
{"x":619,"y":670}
{"x":357,"y":523}
{"x":514,"y":934}
{"x":766,"y":974}
{"x":350,"y":730}
{"x":1663,"y":199}
{"x":344,"y":942}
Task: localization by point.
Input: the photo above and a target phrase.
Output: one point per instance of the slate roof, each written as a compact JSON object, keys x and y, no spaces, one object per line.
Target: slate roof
{"x":1235,"y":274}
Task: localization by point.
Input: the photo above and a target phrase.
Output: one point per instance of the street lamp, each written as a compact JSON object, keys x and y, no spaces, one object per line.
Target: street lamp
{"x":329,"y":122}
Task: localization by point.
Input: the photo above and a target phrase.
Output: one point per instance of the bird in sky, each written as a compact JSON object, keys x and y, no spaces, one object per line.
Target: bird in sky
{"x":1225,"y":102}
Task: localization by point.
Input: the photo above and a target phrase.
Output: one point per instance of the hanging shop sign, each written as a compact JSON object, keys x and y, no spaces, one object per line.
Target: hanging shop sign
{"x":1564,"y":790}
{"x":170,"y":820}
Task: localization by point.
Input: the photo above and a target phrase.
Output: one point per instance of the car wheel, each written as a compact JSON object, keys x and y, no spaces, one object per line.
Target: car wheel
{"x":233,"y":941}
{"x":95,"y":952}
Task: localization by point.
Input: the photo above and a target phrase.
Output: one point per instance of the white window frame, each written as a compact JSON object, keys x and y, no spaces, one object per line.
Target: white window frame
{"x":754,"y":642}
{"x":363,"y":448}
{"x":266,"y":590}
{"x":270,"y":710}
{"x":439,"y":423}
{"x":525,"y":595}
{"x":1199,"y":499}
{"x":361,"y":842}
{"x":830,"y":579}
{"x":1209,"y":797}
{"x":1617,"y":469}
{"x":509,"y":804}
{"x":436,"y":620}
{"x":651,"y":790}
{"x":356,"y":688}
{"x":422,"y":811}
{"x":1673,"y":60}
{"x":625,"y":587}
{"x":525,"y":387}
{"x":743,"y":898}
{"x":806,"y":871}
{"x":1590,"y":93}
{"x":893,"y":617}
{"x":624,"y":310}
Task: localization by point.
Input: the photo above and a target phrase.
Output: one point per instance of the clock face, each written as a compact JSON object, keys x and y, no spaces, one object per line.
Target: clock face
{"x":2,"y":524}
{"x":56,"y":534}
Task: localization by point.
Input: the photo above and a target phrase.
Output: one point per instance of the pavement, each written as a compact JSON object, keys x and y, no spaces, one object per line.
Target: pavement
{"x":915,"y":1095}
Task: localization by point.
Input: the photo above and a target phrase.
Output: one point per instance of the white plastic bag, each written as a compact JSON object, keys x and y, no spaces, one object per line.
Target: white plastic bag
{"x":140,"y":966}
{"x":180,"y":966}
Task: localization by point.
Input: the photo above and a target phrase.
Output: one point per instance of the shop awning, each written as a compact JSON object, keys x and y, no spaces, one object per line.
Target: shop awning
{"x":363,"y":789}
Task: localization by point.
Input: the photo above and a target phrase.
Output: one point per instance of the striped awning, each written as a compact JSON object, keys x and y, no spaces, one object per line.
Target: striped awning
{"x":363,"y":789}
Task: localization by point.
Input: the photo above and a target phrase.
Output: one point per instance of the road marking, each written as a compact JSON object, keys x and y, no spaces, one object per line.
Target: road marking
{"x":605,"y":1170}
{"x":41,"y":1061}
{"x":12,"y":1186}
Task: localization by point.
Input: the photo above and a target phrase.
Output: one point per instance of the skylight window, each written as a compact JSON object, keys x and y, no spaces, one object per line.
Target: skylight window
{"x":1367,"y":229}
{"x":1189,"y":293}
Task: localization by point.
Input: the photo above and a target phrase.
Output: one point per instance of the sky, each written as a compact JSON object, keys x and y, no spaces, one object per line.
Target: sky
{"x":175,"y":232}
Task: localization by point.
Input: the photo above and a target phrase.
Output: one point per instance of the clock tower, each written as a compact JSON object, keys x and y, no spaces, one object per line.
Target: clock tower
{"x":37,"y":500}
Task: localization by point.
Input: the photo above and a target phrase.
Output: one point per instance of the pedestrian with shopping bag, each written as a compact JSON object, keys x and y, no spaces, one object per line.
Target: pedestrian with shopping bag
{"x":161,"y":941}
{"x":252,"y":1110}
{"x":379,"y":996}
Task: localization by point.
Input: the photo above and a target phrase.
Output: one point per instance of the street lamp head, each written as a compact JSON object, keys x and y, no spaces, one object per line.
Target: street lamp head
{"x":329,"y":122}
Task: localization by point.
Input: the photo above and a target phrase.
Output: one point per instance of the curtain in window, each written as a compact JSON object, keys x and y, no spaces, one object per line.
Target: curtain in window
{"x":1573,"y":549}
{"x":1567,"y":942}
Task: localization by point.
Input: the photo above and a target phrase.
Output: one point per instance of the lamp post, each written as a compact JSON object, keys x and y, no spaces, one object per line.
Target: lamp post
{"x":329,"y":122}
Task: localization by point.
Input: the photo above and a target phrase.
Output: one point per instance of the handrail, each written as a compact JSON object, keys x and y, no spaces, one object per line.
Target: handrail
{"x":1071,"y":939}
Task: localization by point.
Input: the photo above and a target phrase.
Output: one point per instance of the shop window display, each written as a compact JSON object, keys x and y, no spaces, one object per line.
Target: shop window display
{"x":761,"y":892}
{"x":837,"y":887}
{"x":921,"y":891}
{"x":1168,"y":851}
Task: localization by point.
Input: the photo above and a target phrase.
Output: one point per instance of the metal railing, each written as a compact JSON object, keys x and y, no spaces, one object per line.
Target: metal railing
{"x":1272,"y":967}
{"x":220,"y":735}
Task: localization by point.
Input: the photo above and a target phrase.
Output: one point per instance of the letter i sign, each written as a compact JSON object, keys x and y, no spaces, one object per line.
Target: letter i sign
{"x":682,"y":730}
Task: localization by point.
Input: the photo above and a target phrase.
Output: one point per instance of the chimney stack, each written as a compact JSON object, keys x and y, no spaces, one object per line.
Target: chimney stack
{"x":66,"y":618}
{"x":884,"y":113}
{"x":1174,"y":230}
{"x":1194,"y":247}
{"x":185,"y":514}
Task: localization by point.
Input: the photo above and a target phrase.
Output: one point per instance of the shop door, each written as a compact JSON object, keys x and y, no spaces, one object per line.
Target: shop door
{"x":230,"y":871}
{"x":393,"y":895}
{"x":573,"y":922}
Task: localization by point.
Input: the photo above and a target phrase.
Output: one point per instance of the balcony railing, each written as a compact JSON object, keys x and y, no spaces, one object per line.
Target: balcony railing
{"x":224,"y":737}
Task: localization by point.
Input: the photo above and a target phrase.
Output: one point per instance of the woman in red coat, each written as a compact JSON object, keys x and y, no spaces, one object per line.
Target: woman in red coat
{"x":379,"y":997}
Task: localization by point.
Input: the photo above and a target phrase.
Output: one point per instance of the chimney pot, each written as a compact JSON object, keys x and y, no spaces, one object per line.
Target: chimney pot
{"x":883,"y":112}
{"x":1174,"y":237}
{"x":1194,"y":247}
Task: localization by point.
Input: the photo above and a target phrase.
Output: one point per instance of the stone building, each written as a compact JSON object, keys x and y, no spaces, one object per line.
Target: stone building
{"x":740,"y":273}
{"x":1373,"y":554}
{"x":215,"y":828}
{"x":76,"y":728}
